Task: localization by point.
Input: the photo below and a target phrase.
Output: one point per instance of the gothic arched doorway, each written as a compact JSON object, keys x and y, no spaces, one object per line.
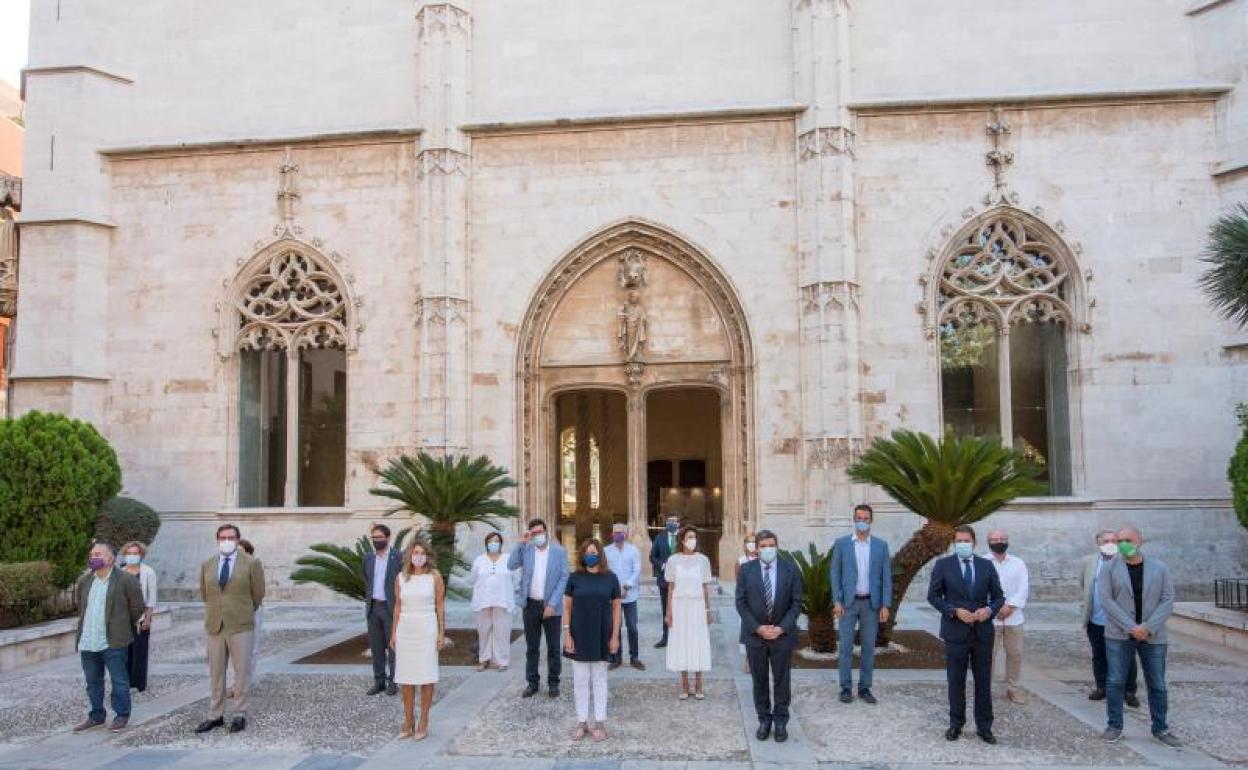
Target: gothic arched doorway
{"x":632,"y":322}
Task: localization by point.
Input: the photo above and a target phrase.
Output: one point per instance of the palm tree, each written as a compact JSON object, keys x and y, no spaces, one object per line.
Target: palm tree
{"x":816,"y":596}
{"x":447,"y":491}
{"x":340,"y":568}
{"x":957,"y":480}
{"x":1225,"y":283}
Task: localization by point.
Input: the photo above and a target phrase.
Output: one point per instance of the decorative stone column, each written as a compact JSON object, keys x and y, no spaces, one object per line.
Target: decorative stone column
{"x":827,"y":258}
{"x":442,"y":306}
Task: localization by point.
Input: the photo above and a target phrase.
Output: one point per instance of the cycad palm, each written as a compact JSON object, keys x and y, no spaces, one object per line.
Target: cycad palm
{"x":957,"y":480}
{"x":447,"y":491}
{"x":1225,"y":283}
{"x":339,"y":568}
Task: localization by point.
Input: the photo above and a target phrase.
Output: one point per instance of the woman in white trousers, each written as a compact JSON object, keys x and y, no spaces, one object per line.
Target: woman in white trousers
{"x":493,"y":599}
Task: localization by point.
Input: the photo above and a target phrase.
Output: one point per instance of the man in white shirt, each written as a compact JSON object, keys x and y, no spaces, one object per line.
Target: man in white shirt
{"x":1008,"y":623}
{"x":544,"y":575}
{"x":624,"y":560}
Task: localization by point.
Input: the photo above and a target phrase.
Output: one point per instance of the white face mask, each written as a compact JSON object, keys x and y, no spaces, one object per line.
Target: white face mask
{"x":751,"y":547}
{"x":133,"y":559}
{"x":227,"y":546}
{"x":1109,"y":550}
{"x":691,"y":544}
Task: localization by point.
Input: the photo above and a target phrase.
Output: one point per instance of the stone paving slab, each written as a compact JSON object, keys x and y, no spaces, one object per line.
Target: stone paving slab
{"x":1210,"y":716}
{"x":290,"y":713}
{"x":187,"y":645}
{"x":36,"y":706}
{"x":644,"y":719}
{"x":1069,"y":650}
{"x":909,"y":723}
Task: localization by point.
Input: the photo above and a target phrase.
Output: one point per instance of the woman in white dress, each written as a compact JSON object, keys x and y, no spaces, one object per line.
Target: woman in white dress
{"x":688,"y":576}
{"x":419,"y":632}
{"x":748,"y":555}
{"x":493,"y":599}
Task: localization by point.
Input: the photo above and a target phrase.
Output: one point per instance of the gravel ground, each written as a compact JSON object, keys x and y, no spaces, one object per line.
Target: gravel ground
{"x":1211,"y":717}
{"x":33,"y":707}
{"x":644,"y":720}
{"x":914,"y":718}
{"x":291,"y":713}
{"x":186,"y":645}
{"x":1068,"y":650}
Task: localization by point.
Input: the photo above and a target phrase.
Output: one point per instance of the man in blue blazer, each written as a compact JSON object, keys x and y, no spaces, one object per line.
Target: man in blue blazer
{"x":544,"y":575}
{"x":862,"y":593}
{"x":769,"y":598}
{"x":661,"y":550}
{"x":380,"y":570}
{"x":966,"y":592}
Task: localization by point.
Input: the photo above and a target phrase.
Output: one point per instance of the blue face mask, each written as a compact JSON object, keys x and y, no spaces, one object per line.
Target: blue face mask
{"x":673,"y":528}
{"x":963,"y":550}
{"x":767,"y":553}
{"x":539,"y":540}
{"x":591,"y":560}
{"x":862,"y":526}
{"x":493,"y":546}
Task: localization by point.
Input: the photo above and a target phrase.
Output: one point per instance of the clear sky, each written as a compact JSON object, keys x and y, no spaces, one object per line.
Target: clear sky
{"x":14,"y":28}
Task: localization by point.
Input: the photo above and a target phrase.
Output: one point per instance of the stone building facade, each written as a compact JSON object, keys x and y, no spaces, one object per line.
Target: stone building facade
{"x":665,"y":256}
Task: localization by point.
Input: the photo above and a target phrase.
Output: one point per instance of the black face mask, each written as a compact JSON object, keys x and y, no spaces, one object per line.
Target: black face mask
{"x":998,"y":547}
{"x":380,"y":545}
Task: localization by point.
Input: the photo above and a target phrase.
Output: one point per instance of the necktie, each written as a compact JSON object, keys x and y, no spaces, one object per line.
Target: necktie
{"x":966,"y":574}
{"x":767,"y":600}
{"x":224,"y":577}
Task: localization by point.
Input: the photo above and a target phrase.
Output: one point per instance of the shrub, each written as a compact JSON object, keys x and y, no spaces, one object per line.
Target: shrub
{"x":54,"y":474}
{"x":27,"y":581}
{"x":123,"y":519}
{"x":1237,"y":472}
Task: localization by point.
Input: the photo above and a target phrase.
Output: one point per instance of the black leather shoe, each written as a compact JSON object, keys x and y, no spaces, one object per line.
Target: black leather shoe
{"x":847,"y":696}
{"x":764,"y":731}
{"x":782,"y":734}
{"x":238,"y":724}
{"x":660,"y":644}
{"x":553,"y":691}
{"x":613,"y":665}
{"x":376,"y":689}
{"x":529,"y":691}
{"x":208,"y":724}
{"x":1096,"y":695}
{"x":392,"y":689}
{"x":866,"y":697}
{"x":1132,"y":701}
{"x":952,"y":733}
{"x":986,"y":736}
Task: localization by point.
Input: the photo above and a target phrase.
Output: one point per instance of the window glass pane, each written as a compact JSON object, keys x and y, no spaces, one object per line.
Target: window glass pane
{"x":969,"y":386}
{"x":1038,"y":396}
{"x":322,"y":426}
{"x":262,"y":428}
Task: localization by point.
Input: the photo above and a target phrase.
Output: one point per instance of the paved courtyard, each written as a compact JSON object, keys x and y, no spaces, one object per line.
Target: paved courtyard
{"x":315,"y":717}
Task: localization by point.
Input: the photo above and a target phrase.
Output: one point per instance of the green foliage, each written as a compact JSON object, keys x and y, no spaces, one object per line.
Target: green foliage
{"x":340,"y":568}
{"x":816,"y":579}
{"x":54,"y":474}
{"x":1225,"y":282}
{"x":123,"y":519}
{"x":447,"y":492}
{"x":1237,"y":471}
{"x":26,"y":581}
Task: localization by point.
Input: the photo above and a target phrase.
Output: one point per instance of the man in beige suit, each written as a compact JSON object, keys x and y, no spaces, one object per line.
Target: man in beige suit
{"x":232,"y":584}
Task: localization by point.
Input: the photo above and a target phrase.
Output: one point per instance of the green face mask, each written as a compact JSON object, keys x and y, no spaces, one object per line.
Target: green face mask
{"x":1127,"y":549}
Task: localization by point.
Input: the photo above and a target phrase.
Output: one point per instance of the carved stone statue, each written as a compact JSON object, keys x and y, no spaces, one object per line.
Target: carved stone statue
{"x":10,"y":196}
{"x":631,"y":331}
{"x":631,"y":273}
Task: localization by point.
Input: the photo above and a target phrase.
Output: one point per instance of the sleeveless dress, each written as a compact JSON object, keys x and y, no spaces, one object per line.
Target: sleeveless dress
{"x":689,"y":640}
{"x":416,"y":636}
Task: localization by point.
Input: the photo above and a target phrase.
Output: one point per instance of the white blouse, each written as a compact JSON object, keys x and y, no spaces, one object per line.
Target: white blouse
{"x":689,"y":572}
{"x":147,"y":582}
{"x":492,"y":584}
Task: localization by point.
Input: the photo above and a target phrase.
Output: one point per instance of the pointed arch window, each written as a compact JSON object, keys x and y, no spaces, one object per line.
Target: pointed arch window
{"x":291,"y":338}
{"x":1003,"y":311}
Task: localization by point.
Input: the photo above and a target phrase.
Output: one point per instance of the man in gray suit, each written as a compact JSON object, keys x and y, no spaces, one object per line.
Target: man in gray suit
{"x":543,"y":577}
{"x":380,"y":572}
{"x":1138,"y":597}
{"x":1093,"y":621}
{"x":862,"y":592}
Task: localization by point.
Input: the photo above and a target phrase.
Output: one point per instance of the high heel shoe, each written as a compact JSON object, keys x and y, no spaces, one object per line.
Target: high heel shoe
{"x":407,"y":732}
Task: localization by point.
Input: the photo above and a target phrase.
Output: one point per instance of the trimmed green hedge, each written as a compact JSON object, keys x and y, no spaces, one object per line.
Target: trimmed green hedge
{"x":54,"y":474}
{"x":1237,"y":471}
{"x":124,"y":519}
{"x":28,"y":581}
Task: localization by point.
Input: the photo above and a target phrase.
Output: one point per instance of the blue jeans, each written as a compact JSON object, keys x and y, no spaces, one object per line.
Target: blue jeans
{"x":116,"y":661}
{"x":1119,"y":654}
{"x":858,"y":612}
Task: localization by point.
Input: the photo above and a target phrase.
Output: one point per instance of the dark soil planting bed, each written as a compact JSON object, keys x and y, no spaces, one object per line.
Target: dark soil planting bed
{"x":922,"y":650}
{"x":462,"y":652}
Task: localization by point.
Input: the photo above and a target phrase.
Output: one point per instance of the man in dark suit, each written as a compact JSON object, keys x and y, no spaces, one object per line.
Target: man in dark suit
{"x":967,"y":593}
{"x":660,"y":551}
{"x":769,"y":598}
{"x":380,"y":571}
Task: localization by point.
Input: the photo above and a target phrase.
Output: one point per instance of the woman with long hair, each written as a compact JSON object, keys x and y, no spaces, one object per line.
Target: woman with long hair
{"x":419,"y":632}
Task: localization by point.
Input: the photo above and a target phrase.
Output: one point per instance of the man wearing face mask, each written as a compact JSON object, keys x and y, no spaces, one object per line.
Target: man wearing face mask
{"x":543,"y":578}
{"x":966,"y":591}
{"x":110,"y":603}
{"x":1094,"y":566}
{"x":1138,"y":597}
{"x":380,"y":572}
{"x":660,"y":551}
{"x":232,"y":586}
{"x":624,"y":560}
{"x":862,"y":592}
{"x":1008,"y":624}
